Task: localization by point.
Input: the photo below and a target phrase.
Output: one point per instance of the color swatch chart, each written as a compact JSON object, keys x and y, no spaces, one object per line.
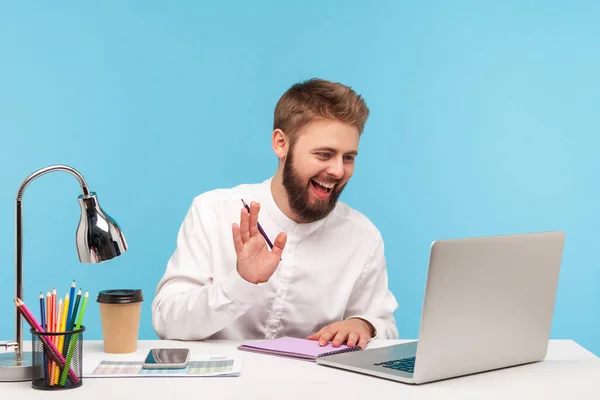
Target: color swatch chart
{"x":213,"y":366}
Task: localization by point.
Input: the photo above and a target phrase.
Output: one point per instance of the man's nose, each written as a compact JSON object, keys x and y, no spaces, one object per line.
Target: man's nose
{"x":336,"y":168}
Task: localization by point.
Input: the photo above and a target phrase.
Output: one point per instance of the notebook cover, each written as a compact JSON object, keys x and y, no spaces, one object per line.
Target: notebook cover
{"x":295,"y":348}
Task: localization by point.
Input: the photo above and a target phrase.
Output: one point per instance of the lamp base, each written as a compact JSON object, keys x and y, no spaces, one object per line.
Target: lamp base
{"x":13,"y":371}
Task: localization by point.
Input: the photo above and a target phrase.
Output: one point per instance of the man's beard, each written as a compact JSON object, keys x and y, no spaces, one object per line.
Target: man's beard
{"x":298,"y":196}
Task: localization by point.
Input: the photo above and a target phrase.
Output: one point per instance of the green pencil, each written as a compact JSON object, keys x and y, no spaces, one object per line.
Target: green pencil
{"x":63,"y":377}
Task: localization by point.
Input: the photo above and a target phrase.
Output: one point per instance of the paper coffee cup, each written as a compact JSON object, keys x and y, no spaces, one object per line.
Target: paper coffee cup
{"x":120,"y":311}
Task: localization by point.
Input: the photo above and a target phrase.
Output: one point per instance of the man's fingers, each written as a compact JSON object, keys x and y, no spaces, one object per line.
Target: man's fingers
{"x":253,"y":219}
{"x":340,"y":338}
{"x":364,"y":339}
{"x":326,"y":336}
{"x":237,"y":238}
{"x":279,"y":244}
{"x":244,"y":225}
{"x":352,"y":339}
{"x":317,"y":335}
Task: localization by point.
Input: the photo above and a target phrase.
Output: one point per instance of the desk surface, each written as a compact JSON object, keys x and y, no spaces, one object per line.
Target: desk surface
{"x":569,"y":372}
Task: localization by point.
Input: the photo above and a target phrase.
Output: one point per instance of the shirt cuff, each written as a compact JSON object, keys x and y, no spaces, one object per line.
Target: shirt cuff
{"x":239,"y":289}
{"x":369,"y":320}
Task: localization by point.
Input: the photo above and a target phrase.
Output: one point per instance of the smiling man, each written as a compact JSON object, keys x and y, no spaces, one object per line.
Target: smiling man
{"x":325,"y":276}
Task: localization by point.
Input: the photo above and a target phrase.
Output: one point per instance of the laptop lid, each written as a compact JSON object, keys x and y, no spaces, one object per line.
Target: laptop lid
{"x":488,"y":303}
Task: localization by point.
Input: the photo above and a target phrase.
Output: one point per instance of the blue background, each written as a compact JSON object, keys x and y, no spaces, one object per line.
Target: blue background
{"x":484,"y":121}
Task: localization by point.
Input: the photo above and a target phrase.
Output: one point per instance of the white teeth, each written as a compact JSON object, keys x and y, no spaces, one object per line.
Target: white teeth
{"x":327,"y":185}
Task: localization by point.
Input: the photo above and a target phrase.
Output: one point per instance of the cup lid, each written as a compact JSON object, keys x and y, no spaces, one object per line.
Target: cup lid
{"x":120,"y":296}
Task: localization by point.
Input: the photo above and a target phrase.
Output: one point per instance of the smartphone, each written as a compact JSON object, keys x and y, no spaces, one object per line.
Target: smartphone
{"x":167,"y":358}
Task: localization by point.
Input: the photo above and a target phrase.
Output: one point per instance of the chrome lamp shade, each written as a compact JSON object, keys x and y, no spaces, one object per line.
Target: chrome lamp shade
{"x":98,"y":238}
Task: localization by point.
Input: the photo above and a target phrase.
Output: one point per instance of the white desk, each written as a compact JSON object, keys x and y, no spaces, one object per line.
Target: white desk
{"x":569,"y":372}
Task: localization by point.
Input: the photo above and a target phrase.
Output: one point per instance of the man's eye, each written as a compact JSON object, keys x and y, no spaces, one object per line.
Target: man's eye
{"x":349,"y":158}
{"x":324,"y":155}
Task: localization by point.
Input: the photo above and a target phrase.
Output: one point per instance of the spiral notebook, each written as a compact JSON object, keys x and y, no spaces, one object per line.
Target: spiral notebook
{"x":303,"y":349}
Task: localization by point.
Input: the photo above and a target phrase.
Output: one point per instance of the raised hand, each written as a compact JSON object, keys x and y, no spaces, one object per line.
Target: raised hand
{"x":255,"y":262}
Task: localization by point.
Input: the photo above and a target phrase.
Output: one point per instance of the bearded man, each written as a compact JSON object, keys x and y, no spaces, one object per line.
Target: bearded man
{"x":284,"y":257}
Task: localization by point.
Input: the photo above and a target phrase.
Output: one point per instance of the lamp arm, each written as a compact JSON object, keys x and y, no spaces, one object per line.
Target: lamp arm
{"x":45,"y":170}
{"x":19,"y":240}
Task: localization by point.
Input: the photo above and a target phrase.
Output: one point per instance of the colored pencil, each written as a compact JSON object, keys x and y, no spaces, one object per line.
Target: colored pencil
{"x":49,"y":308}
{"x":260,"y":229}
{"x":74,"y":314}
{"x":71,"y":323}
{"x":71,"y":296}
{"x":63,"y":377}
{"x":43,"y":310}
{"x":43,"y":319}
{"x":67,"y":311}
{"x":50,"y":348}
{"x":58,"y":339}
{"x":47,"y":328}
{"x":53,"y":329}
{"x":53,"y":312}
{"x":48,"y":304}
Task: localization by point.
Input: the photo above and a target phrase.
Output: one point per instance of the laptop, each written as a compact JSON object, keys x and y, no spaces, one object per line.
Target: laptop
{"x":488,"y":305}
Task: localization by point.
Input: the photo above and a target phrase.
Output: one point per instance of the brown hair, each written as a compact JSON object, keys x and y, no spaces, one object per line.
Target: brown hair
{"x":318,"y":98}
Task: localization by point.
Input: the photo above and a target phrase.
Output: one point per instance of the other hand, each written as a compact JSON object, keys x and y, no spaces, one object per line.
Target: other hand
{"x":353,"y":331}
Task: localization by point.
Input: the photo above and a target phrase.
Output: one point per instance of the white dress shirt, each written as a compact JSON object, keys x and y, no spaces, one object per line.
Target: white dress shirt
{"x":331,"y":270}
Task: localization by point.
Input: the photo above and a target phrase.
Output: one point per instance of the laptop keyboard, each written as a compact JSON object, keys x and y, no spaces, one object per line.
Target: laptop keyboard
{"x":403,"y":364}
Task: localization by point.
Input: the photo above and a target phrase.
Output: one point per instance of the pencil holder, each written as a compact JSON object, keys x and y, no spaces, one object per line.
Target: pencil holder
{"x":57,"y":359}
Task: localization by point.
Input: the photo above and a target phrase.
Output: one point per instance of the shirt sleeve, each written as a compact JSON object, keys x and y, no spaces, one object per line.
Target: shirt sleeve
{"x":372,"y":300}
{"x":189,"y":305}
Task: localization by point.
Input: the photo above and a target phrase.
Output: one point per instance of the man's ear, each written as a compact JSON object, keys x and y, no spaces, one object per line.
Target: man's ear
{"x":280,"y":142}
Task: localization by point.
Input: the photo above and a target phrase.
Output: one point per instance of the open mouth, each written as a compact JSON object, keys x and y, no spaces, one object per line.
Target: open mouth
{"x":322,"y":189}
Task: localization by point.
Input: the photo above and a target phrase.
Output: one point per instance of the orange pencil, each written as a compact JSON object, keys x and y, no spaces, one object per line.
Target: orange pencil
{"x":53,"y":310}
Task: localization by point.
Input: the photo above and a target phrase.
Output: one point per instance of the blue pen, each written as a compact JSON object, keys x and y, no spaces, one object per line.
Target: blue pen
{"x":43,"y":311}
{"x":43,"y":319}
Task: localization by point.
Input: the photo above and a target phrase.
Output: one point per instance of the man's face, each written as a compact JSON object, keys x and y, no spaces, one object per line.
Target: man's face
{"x":318,"y":166}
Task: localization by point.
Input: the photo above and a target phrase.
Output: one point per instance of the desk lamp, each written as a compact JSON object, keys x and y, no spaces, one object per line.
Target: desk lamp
{"x":98,"y":238}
